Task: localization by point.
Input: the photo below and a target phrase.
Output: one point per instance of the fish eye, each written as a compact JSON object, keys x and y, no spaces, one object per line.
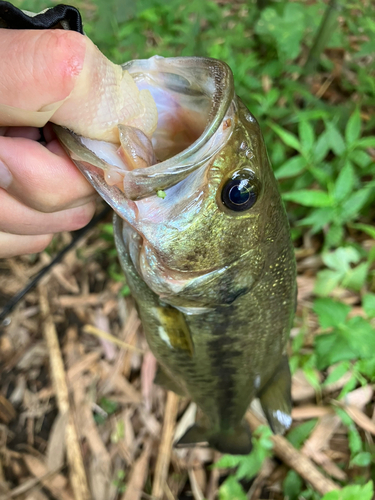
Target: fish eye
{"x":239,"y":193}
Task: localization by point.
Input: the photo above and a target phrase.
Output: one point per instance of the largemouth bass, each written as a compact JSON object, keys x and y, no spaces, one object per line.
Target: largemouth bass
{"x":210,"y":263}
{"x":202,"y":237}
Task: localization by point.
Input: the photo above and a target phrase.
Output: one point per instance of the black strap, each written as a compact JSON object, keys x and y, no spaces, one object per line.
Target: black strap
{"x":61,"y":16}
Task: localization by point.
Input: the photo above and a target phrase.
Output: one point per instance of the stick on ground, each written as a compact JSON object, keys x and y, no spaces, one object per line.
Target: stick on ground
{"x":76,"y":467}
{"x":295,"y":460}
{"x":165,"y":448}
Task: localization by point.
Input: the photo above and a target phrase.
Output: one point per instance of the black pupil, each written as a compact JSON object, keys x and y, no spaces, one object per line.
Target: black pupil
{"x":239,"y":194}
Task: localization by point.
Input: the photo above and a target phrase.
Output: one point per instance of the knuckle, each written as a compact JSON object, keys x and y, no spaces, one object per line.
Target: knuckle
{"x":67,"y":49}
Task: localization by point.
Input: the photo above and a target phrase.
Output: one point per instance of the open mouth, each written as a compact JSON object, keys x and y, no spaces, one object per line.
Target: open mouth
{"x":193,"y":96}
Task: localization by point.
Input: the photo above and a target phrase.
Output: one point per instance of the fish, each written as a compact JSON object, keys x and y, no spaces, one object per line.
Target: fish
{"x":203,"y":239}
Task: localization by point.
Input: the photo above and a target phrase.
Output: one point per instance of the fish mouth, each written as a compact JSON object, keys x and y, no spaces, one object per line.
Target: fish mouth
{"x":193,"y":96}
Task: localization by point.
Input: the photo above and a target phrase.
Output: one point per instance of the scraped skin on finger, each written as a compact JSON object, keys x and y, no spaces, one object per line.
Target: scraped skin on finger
{"x":96,"y":97}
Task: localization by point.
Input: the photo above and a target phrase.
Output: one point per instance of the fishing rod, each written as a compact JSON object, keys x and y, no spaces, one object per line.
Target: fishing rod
{"x":78,"y":235}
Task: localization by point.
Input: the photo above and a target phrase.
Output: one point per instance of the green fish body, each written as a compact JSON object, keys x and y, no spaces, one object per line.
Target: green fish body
{"x":210,"y":264}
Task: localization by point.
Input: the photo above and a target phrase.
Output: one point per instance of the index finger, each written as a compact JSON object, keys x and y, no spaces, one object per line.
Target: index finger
{"x":40,"y":69}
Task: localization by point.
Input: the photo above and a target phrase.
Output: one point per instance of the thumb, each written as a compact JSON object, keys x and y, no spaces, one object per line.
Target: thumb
{"x":39,"y":71}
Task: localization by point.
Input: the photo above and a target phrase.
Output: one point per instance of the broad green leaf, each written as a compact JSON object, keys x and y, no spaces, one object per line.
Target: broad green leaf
{"x":338,"y":371}
{"x":361,"y":337}
{"x":332,"y":348}
{"x":306,"y":135}
{"x":287,"y":137}
{"x":341,"y":258}
{"x":318,"y":218}
{"x":334,"y":236}
{"x":321,"y":148}
{"x":344,"y":183}
{"x":298,"y":435}
{"x":368,"y":302}
{"x":360,"y":158}
{"x":291,"y":167}
{"x":231,"y":490}
{"x":363,"y":459}
{"x":355,"y":441}
{"x":365,"y":142}
{"x":355,"y":278}
{"x":292,"y":486}
{"x":327,"y":281}
{"x":353,"y":127}
{"x":309,"y":198}
{"x":330,"y":312}
{"x":335,"y":140}
{"x":286,"y":29}
{"x":351,"y":207}
{"x":355,"y":492}
{"x":228,"y":462}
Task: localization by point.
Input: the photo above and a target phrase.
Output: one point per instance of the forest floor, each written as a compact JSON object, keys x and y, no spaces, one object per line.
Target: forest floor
{"x":81,"y":418}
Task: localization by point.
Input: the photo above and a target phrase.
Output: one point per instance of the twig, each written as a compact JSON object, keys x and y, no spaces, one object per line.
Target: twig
{"x":93,"y":330}
{"x":76,"y":468}
{"x":295,"y":460}
{"x":29,"y":484}
{"x":165,"y":448}
{"x":138,"y":475}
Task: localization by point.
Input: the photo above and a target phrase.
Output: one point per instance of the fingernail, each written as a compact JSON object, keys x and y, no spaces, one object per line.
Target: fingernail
{"x":5,"y":176}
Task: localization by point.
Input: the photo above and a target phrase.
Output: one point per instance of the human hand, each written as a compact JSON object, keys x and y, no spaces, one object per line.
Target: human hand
{"x":41,"y":191}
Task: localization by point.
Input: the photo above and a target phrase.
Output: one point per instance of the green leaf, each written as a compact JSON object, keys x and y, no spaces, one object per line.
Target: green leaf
{"x":306,"y":135}
{"x":353,"y":127}
{"x":291,"y":167}
{"x":287,"y":137}
{"x":298,"y":435}
{"x":345,"y":182}
{"x":335,"y":140}
{"x":363,"y":459}
{"x":108,"y":405}
{"x":360,"y":335}
{"x":292,"y":486}
{"x":327,"y":281}
{"x":365,"y":142}
{"x":355,"y":278}
{"x":368,"y":303}
{"x":355,"y":441}
{"x":354,"y":203}
{"x":366,"y":228}
{"x":360,"y":158}
{"x":321,"y":148}
{"x":330,"y":312}
{"x":231,"y":490}
{"x":286,"y":30}
{"x":309,"y":198}
{"x":338,"y":371}
{"x":353,"y":492}
{"x":341,"y":258}
{"x":332,"y":348}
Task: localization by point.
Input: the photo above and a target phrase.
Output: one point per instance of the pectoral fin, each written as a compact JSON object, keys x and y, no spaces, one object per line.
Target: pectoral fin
{"x":194,"y":435}
{"x":174,"y":329}
{"x":164,"y":380}
{"x":234,"y":441}
{"x":275,"y":398}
